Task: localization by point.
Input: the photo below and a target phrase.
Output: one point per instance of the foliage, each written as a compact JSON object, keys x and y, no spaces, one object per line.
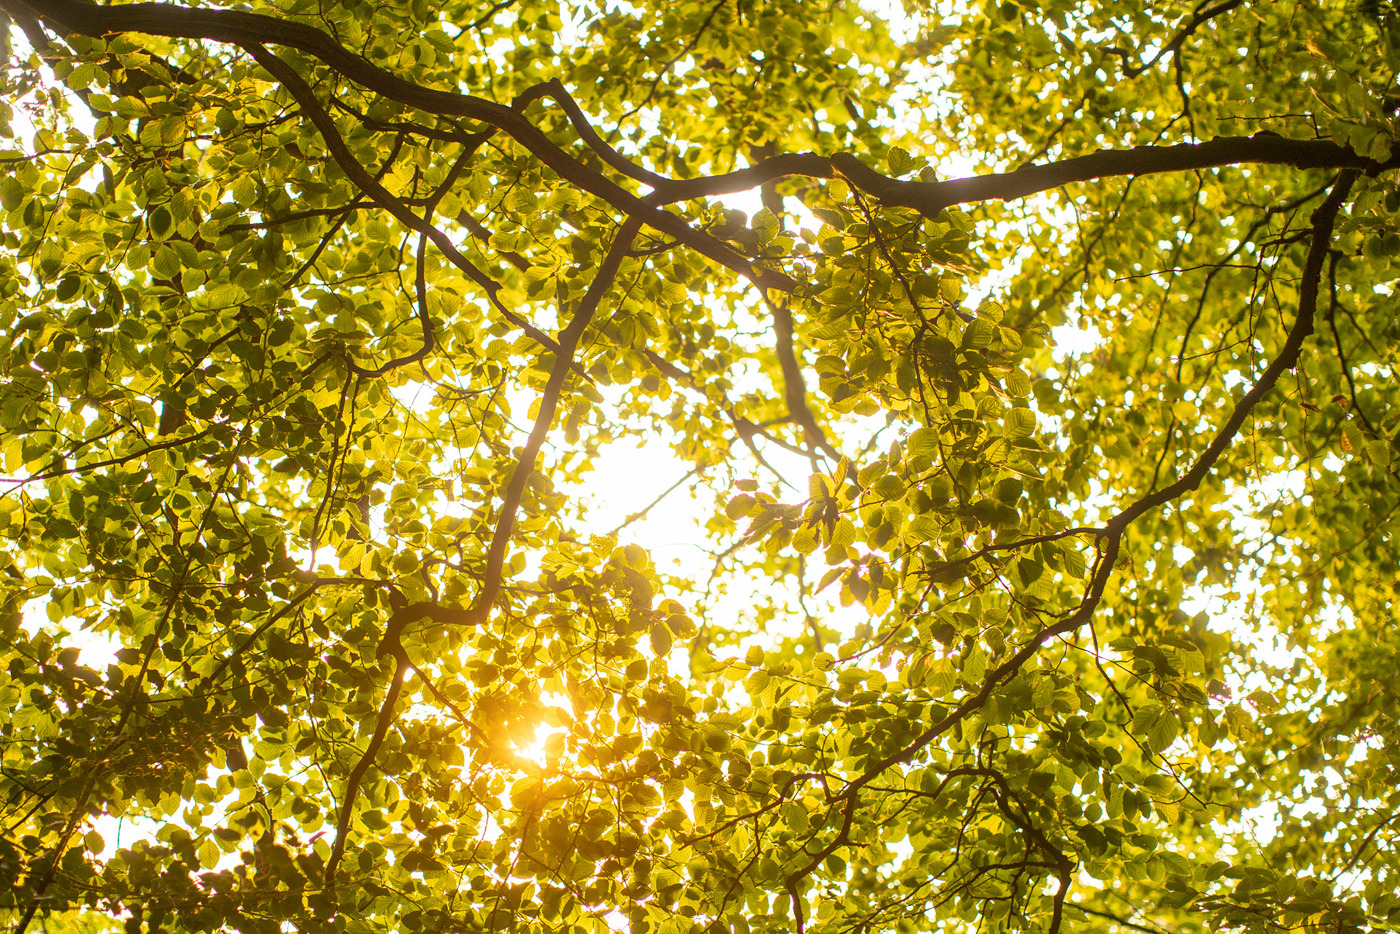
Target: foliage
{"x":319,"y":315}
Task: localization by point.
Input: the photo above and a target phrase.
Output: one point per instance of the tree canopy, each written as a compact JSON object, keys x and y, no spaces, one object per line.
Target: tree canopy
{"x":319,"y":316}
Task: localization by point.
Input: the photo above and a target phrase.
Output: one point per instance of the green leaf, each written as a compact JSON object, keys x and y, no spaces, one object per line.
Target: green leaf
{"x":660,"y":640}
{"x":1020,"y":423}
{"x":160,"y":221}
{"x":899,"y":160}
{"x":166,"y":262}
{"x":11,"y":193}
{"x":740,"y":506}
{"x":974,"y":665}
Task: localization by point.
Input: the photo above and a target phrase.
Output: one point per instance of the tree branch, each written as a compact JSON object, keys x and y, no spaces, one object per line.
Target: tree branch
{"x":929,"y":198}
{"x":1174,"y":44}
{"x":352,"y":784}
{"x":549,"y":402}
{"x":1323,"y":221}
{"x":250,"y":30}
{"x":299,"y":89}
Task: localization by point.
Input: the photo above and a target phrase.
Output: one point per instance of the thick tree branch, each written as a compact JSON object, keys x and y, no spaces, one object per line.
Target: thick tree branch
{"x":929,"y":198}
{"x":1261,"y":149}
{"x":252,"y":30}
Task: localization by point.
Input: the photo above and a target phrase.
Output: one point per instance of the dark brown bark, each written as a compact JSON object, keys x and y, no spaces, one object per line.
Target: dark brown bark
{"x":250,"y":30}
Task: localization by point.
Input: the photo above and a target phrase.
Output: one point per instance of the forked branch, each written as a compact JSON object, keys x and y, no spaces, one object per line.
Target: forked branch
{"x":402,"y":616}
{"x":253,"y":31}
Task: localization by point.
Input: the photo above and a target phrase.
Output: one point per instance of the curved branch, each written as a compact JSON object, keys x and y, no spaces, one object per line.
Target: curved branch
{"x":510,"y":501}
{"x":299,"y":89}
{"x":251,"y":30}
{"x":929,"y":198}
{"x":842,"y":837}
{"x":549,"y":402}
{"x":1174,"y":44}
{"x":1116,"y":919}
{"x":1323,"y":222}
{"x":555,"y":88}
{"x":794,"y":386}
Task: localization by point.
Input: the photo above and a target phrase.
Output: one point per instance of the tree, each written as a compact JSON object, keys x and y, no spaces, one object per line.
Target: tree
{"x":1121,"y":656}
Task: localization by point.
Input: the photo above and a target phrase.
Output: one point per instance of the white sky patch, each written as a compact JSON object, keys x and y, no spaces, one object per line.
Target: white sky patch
{"x":1076,"y":340}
